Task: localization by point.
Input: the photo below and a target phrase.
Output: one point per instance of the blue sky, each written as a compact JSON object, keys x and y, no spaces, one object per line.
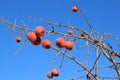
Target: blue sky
{"x":33,"y":62}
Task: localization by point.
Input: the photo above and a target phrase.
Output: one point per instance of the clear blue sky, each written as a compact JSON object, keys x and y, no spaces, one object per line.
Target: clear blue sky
{"x":33,"y":62}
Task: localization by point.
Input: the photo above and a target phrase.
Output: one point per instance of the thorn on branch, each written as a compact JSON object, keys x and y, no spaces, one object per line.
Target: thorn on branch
{"x":53,"y":30}
{"x":73,"y":58}
{"x":109,"y":45}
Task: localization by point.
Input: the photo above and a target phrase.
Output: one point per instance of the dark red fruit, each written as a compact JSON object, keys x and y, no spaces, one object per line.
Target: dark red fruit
{"x":37,"y":41}
{"x":47,"y":44}
{"x":60,"y":42}
{"x":40,"y":31}
{"x":50,"y":75}
{"x":70,"y":32}
{"x":69,"y":45}
{"x":31,"y":36}
{"x":55,"y":72}
{"x":75,"y":8}
{"x":18,"y":39}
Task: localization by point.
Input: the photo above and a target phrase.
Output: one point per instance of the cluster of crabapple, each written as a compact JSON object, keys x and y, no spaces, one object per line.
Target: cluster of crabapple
{"x":35,"y":37}
{"x":53,"y":73}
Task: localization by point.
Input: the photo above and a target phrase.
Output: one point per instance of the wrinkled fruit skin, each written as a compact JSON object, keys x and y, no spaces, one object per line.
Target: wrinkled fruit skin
{"x":55,"y":72}
{"x":81,"y":35}
{"x":18,"y":39}
{"x":47,"y":44}
{"x":112,"y":53}
{"x":37,"y":41}
{"x":75,"y":8}
{"x":69,"y":45}
{"x":50,"y":75}
{"x":89,"y":77}
{"x":40,"y":31}
{"x":60,"y":42}
{"x":31,"y":36}
{"x":70,"y":32}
